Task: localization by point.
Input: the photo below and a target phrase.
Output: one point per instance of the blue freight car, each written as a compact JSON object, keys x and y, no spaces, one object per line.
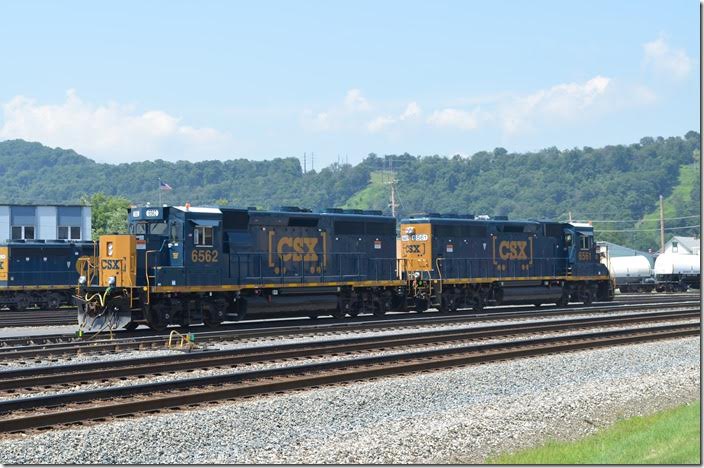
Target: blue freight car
{"x":39,"y":273}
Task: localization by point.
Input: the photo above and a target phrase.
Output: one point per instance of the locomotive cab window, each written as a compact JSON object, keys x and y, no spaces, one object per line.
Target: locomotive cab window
{"x":176,"y":229}
{"x":584,"y":242}
{"x":568,"y":240}
{"x":138,"y":228}
{"x":158,"y":229}
{"x":203,"y":236}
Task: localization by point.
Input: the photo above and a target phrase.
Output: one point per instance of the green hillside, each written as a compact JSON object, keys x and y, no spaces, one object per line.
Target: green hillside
{"x":617,"y":182}
{"x":375,"y":195}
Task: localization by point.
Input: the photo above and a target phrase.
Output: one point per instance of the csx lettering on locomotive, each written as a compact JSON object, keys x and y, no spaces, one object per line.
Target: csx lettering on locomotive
{"x":110,"y":264}
{"x":513,"y":250}
{"x":296,"y":249}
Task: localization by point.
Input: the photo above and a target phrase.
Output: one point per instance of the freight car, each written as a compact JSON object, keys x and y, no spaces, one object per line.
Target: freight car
{"x":677,"y":272}
{"x":454,"y":262}
{"x":39,"y":273}
{"x":183,"y":265}
{"x":632,"y":273}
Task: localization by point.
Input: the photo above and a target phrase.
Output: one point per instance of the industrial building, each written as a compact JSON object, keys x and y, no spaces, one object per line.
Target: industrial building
{"x":45,"y":222}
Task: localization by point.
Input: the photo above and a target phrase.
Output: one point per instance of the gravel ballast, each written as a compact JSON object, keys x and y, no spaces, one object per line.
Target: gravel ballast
{"x":458,"y":415}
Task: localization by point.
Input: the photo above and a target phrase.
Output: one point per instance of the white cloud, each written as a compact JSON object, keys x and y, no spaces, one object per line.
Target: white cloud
{"x":565,"y":101}
{"x":354,"y":101}
{"x":666,"y":60}
{"x":456,"y":118}
{"x":316,"y":122}
{"x":412,"y":111}
{"x":110,"y":132}
{"x":380,"y":123}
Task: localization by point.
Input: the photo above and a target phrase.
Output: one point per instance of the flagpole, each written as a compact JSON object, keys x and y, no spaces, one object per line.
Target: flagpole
{"x":159,"y":192}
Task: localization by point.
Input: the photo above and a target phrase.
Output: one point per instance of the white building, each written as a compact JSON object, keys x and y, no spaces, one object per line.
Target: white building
{"x":683,"y":245}
{"x":46,"y":222}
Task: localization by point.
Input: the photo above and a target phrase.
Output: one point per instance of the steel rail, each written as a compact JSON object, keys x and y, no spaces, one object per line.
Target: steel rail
{"x":152,"y":342}
{"x":99,"y":404}
{"x":36,"y":377}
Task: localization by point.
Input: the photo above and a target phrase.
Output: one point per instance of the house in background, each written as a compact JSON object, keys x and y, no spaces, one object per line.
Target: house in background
{"x":683,"y":245}
{"x":45,"y":222}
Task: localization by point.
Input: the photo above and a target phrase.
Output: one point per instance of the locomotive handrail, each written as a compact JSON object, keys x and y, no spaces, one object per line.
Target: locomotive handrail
{"x":146,"y":268}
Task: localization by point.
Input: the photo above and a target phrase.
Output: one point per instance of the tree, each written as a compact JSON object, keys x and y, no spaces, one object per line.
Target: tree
{"x":109,"y":214}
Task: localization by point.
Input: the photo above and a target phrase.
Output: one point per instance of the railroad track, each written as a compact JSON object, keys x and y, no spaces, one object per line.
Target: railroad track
{"x":51,"y":346}
{"x":67,"y":316}
{"x":62,"y":409}
{"x":42,"y":378}
{"x":33,"y":317}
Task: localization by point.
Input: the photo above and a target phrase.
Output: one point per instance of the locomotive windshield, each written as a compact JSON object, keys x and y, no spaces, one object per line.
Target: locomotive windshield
{"x":158,"y":229}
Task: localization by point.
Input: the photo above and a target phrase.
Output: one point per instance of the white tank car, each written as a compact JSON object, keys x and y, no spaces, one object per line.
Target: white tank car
{"x":632,"y":273}
{"x":673,"y":270}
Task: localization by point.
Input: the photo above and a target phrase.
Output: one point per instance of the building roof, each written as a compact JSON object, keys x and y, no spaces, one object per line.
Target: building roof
{"x":690,"y":243}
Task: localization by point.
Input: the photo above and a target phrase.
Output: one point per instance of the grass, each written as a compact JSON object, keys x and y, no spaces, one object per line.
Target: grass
{"x":375,"y":194}
{"x":688,"y":178}
{"x":667,"y":437}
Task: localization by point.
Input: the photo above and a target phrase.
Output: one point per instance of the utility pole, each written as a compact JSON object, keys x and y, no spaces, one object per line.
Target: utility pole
{"x":662,"y":226}
{"x":570,"y":215}
{"x":312,"y":159}
{"x":392,"y":182}
{"x":304,"y":163}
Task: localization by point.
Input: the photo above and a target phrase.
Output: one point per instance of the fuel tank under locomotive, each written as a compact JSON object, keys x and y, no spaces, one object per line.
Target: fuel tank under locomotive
{"x":520,"y":294}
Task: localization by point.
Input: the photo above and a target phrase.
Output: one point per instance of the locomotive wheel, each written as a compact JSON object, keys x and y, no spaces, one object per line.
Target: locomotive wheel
{"x":379,"y":308}
{"x":21,"y":303}
{"x":132,"y":326}
{"x":477,"y":305}
{"x":588,"y":297}
{"x":158,"y":317}
{"x":53,"y":302}
{"x":563,"y":301}
{"x":339,"y":312}
{"x":421,"y":305}
{"x":448,"y":304}
{"x":213,"y":314}
{"x":313,"y":316}
{"x":537,"y":305}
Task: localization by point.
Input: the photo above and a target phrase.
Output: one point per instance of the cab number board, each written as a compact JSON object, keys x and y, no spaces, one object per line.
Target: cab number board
{"x":204,"y":256}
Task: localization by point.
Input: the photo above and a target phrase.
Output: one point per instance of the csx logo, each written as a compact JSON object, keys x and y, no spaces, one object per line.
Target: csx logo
{"x":297,"y":249}
{"x":109,"y":264}
{"x":413,"y":248}
{"x":513,"y":250}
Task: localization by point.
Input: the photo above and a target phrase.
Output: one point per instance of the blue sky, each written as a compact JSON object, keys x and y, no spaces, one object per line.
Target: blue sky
{"x":218,"y":80}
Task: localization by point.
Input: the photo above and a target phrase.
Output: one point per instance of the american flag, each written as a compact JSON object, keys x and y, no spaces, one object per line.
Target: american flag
{"x":164,"y":186}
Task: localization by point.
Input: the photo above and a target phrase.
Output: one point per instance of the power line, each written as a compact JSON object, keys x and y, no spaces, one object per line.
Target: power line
{"x":654,"y":229}
{"x":635,"y":220}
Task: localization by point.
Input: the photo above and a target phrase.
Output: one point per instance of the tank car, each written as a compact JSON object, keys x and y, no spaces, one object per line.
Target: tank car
{"x":632,"y":273}
{"x":677,"y":272}
{"x":185,"y":265}
{"x":40,"y":273}
{"x":459,"y":261}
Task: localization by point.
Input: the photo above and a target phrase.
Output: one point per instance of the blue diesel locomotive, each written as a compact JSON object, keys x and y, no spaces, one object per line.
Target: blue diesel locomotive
{"x":183,"y":265}
{"x":188,"y":265}
{"x":40,"y":273}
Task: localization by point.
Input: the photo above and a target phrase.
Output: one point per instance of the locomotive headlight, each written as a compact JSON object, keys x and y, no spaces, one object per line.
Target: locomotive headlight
{"x":82,"y":280}
{"x":410,"y":230}
{"x":109,"y":249}
{"x":111,"y":281}
{"x":417,"y":274}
